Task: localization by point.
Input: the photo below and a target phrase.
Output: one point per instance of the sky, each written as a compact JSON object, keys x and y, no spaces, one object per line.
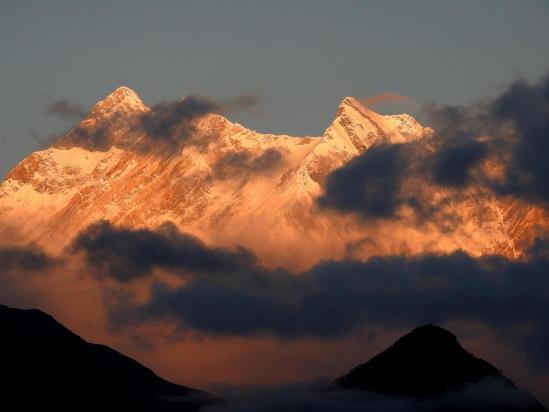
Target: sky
{"x":299,"y":58}
{"x":416,"y":220}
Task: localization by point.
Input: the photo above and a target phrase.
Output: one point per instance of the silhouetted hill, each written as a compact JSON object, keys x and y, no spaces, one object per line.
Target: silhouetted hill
{"x":44,"y":364}
{"x":429,"y":363}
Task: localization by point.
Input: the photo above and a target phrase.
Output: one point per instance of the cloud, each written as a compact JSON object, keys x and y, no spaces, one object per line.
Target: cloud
{"x":499,"y":146}
{"x":125,"y":255}
{"x":22,"y":266}
{"x":525,"y":107}
{"x":385,"y":98}
{"x":369,"y":184}
{"x":163,"y":130}
{"x":512,"y":129}
{"x":94,"y":138}
{"x":336,"y":298}
{"x":67,"y":110}
{"x":24,"y":258}
{"x":170,"y":125}
{"x":245,"y":101}
{"x":452,"y":164}
{"x":237,"y":163}
{"x":464,"y":138}
{"x":486,"y":395}
{"x":227,"y":292}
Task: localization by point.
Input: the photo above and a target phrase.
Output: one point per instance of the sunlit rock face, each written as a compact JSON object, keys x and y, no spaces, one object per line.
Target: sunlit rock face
{"x":233,"y":186}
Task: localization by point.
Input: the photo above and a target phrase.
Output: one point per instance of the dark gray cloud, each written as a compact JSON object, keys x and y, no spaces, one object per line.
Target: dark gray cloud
{"x":66,"y":109}
{"x":336,"y":298}
{"x":464,"y":138}
{"x":244,"y":161}
{"x":511,"y":130}
{"x":24,"y":258}
{"x":125,"y":255}
{"x":19,"y":267}
{"x":245,"y":101}
{"x":98,"y":135}
{"x":452,"y":164}
{"x":227,"y":292}
{"x":525,"y":107}
{"x":369,"y":184}
{"x":93,"y":139}
{"x":163,"y":130}
{"x":170,"y":125}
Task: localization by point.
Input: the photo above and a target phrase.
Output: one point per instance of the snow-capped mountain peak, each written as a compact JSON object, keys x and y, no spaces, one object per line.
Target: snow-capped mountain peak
{"x":122,"y":101}
{"x":363,"y":127}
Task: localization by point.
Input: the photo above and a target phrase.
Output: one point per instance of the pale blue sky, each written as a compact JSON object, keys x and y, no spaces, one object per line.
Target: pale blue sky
{"x":299,"y":57}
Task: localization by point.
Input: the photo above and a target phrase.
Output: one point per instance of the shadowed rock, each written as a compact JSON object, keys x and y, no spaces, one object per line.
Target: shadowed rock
{"x":45,"y":365}
{"x":429,"y":363}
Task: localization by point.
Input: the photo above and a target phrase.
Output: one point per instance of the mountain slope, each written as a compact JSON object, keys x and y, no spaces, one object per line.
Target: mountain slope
{"x":428,"y":363}
{"x":45,"y":364}
{"x":230,"y":185}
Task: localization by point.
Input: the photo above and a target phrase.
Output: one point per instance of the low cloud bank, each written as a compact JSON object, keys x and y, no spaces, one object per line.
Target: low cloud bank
{"x":486,"y":396}
{"x":227,"y":292}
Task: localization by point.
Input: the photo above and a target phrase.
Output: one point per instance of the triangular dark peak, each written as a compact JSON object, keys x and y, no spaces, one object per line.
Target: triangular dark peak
{"x":426,"y":362}
{"x":45,"y":364}
{"x":429,"y":365}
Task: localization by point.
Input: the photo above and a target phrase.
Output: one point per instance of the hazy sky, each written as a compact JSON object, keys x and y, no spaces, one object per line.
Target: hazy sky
{"x":299,"y":57}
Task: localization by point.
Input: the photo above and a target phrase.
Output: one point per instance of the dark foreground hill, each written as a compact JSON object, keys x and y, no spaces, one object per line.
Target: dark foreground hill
{"x":430,"y":364}
{"x":44,"y":366}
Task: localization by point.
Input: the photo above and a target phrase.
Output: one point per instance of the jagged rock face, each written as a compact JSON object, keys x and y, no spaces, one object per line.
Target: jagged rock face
{"x":229,"y":185}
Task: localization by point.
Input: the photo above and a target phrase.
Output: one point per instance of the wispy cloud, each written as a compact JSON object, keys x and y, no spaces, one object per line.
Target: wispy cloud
{"x":66,"y":109}
{"x":386,"y":99}
{"x":163,"y":130}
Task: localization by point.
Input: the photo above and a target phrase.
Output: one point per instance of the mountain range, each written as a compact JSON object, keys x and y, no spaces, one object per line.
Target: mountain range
{"x":229,"y":186}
